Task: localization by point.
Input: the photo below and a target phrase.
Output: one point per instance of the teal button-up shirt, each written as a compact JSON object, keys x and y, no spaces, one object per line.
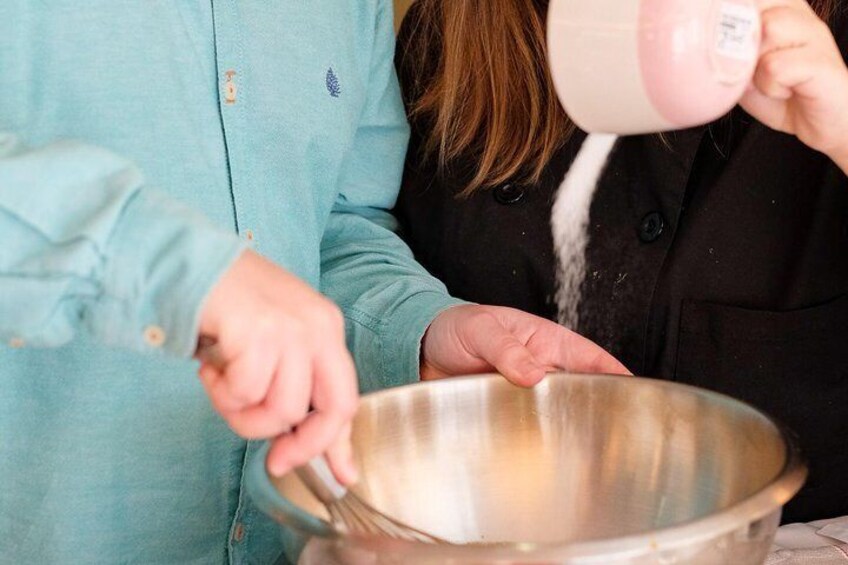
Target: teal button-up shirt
{"x":138,"y":138}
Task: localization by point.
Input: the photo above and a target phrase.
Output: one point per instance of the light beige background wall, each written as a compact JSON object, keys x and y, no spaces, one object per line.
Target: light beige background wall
{"x":401,"y":6}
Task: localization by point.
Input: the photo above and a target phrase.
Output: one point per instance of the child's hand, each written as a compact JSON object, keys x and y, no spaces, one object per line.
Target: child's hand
{"x":466,"y":340}
{"x":280,"y":349}
{"x":801,"y":82}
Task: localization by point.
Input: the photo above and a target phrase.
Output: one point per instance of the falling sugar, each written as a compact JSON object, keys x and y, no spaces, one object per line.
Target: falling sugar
{"x":570,"y":222}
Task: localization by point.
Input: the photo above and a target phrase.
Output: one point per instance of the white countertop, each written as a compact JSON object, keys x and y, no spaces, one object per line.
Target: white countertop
{"x":818,"y":543}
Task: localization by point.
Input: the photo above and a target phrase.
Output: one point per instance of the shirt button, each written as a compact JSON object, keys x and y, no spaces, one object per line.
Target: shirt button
{"x":230,"y":88}
{"x":249,"y":235}
{"x":16,"y":343}
{"x":154,"y":336}
{"x":508,"y":194}
{"x":651,"y":227}
{"x":238,"y":532}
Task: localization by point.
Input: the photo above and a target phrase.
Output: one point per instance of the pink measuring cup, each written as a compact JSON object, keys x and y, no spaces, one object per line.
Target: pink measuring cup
{"x":642,"y":66}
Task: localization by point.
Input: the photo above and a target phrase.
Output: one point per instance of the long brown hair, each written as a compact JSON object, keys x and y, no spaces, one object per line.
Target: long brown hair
{"x":489,"y":96}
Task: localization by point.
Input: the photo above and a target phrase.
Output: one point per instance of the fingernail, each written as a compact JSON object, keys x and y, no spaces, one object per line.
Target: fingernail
{"x":538,"y":377}
{"x":349,"y":470}
{"x":276,"y":469}
{"x":532,"y":374}
{"x":540,"y":371}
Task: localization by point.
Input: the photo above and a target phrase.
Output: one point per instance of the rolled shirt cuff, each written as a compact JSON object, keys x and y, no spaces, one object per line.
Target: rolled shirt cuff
{"x":163,"y":260}
{"x":388,"y":354}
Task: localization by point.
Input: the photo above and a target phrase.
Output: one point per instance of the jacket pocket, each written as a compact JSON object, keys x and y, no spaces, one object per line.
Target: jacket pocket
{"x":792,"y":365}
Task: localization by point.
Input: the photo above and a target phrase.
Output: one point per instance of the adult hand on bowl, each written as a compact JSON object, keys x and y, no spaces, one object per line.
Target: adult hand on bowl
{"x":477,"y":339}
{"x":280,"y":348}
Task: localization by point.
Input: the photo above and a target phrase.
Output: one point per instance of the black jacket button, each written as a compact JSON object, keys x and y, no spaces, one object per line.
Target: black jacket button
{"x":507,"y":194}
{"x":651,"y":227}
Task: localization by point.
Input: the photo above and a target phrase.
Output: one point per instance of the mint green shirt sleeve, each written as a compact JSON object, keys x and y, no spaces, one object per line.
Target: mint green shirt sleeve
{"x":88,"y":247}
{"x":388,"y":299}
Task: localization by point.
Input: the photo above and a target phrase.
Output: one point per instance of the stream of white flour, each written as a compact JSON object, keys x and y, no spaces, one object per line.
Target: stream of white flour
{"x":570,"y":222}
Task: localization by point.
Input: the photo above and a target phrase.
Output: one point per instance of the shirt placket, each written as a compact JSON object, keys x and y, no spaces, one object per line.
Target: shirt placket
{"x":233,"y":97}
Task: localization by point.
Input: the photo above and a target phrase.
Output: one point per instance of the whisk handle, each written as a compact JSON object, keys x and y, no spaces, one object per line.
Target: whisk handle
{"x":316,"y":474}
{"x":319,"y":479}
{"x":264,"y":493}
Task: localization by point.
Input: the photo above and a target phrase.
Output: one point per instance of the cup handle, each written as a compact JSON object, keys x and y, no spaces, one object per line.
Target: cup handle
{"x":263,"y":493}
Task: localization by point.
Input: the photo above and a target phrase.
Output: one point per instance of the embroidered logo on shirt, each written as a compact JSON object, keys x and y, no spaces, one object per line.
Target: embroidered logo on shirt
{"x":333,"y":86}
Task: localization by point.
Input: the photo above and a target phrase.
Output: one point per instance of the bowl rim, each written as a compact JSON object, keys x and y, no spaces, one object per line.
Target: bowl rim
{"x":757,"y":506}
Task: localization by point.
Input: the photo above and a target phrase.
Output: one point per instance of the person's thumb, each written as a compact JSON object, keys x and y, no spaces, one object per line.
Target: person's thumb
{"x":501,"y":349}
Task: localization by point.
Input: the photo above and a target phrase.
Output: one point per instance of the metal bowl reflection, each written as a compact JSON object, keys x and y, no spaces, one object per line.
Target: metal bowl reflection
{"x":580,"y":469}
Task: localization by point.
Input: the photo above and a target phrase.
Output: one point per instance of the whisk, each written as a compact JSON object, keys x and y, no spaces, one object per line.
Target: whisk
{"x":348,"y":513}
{"x":352,"y":515}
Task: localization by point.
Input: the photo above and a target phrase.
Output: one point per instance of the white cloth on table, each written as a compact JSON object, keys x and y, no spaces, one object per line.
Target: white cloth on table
{"x":818,"y":543}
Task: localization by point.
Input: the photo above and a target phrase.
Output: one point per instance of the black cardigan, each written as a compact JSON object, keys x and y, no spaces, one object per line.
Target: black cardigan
{"x":718,"y":258}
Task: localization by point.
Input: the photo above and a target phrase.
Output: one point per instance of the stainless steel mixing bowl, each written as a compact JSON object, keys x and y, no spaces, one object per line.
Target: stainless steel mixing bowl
{"x":580,"y":469}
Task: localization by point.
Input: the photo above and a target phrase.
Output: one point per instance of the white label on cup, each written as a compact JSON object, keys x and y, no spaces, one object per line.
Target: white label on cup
{"x":735,"y":36}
